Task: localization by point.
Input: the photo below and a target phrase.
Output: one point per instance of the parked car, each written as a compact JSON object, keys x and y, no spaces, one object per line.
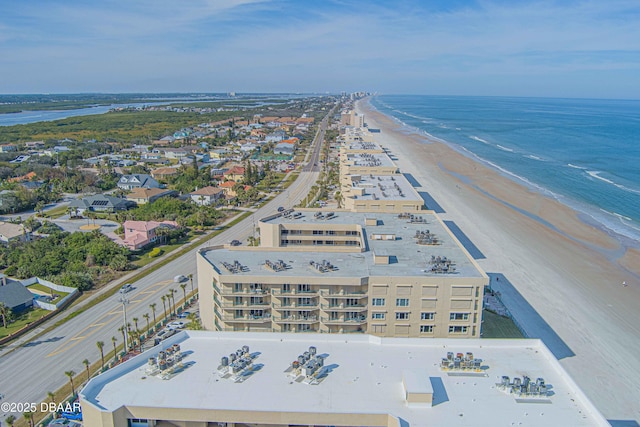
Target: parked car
{"x":178,"y":324}
{"x":72,"y":415}
{"x":235,"y":243}
{"x":281,"y":208}
{"x":166,"y":333}
{"x":179,"y":278}
{"x":184,"y":315}
{"x":59,"y":422}
{"x":126,"y":288}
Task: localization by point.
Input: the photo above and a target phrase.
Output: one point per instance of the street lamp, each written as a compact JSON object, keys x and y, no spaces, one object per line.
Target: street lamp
{"x":123,"y":299}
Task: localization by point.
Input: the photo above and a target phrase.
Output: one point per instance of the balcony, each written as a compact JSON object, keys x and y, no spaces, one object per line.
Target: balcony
{"x":230,"y":318}
{"x":343,"y":294}
{"x":293,"y":292}
{"x":295,"y":305}
{"x":343,"y":307}
{"x":243,"y":305}
{"x":306,"y":320}
{"x":360,"y":320}
{"x":241,"y":292}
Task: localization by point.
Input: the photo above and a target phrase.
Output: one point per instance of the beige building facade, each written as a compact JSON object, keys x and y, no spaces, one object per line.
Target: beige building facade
{"x":344,"y":272}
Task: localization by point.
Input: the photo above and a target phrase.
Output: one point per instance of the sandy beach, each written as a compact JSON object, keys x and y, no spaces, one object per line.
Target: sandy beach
{"x":570,"y":273}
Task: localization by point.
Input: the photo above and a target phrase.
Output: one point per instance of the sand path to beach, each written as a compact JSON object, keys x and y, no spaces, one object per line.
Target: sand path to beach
{"x":570,"y":273}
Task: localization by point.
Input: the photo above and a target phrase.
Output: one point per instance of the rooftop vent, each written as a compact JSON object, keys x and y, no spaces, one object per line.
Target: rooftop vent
{"x":235,"y":268}
{"x":167,"y":364}
{"x":277,"y":266}
{"x":426,"y":237}
{"x":461,"y":363}
{"x":323,"y":267}
{"x":308,"y":368}
{"x":524,"y":388}
{"x":239,"y":365}
{"x":441,"y":265}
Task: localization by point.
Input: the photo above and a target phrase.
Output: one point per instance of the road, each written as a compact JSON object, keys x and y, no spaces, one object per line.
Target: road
{"x":32,"y":369}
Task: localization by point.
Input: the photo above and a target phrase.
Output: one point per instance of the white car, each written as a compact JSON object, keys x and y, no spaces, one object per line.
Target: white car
{"x":126,"y":288}
{"x":179,"y":278}
{"x":177,"y":325}
{"x":165,"y":333}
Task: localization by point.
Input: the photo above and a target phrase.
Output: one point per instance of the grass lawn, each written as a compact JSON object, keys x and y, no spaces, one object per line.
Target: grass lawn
{"x":47,"y":291}
{"x":22,"y":320}
{"x":56,"y":212}
{"x":496,"y":326}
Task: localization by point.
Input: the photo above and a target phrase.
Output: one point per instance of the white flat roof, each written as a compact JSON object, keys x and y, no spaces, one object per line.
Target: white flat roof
{"x":365,"y":376}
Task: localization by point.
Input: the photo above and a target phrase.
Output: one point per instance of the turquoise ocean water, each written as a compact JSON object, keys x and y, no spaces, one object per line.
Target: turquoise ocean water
{"x":583,"y":152}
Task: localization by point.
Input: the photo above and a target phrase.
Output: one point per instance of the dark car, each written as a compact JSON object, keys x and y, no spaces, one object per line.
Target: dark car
{"x":281,"y":208}
{"x":235,"y":243}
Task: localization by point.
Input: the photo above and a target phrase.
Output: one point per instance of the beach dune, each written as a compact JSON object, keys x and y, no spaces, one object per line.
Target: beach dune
{"x":570,"y":272}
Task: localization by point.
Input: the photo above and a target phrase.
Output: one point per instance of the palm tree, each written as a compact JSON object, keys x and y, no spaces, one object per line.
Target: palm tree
{"x":70,"y":374}
{"x":86,"y":365}
{"x":52,"y":396}
{"x":146,"y":317}
{"x":5,"y":312}
{"x":135,"y":322}
{"x":29,"y":417}
{"x":184,"y":292}
{"x":10,"y":420}
{"x":191,"y":281}
{"x":153,"y":310}
{"x":164,"y":305}
{"x":171,"y":293}
{"x":113,"y":341}
{"x":100,"y":345}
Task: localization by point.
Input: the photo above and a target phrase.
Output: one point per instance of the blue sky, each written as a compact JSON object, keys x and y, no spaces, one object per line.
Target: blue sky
{"x":557,"y":48}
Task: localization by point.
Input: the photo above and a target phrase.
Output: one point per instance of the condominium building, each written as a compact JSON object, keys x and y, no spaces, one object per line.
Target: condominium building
{"x":213,"y":379}
{"x":385,"y":274}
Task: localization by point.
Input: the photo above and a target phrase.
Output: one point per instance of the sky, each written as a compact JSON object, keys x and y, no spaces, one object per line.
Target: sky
{"x":572,"y":48}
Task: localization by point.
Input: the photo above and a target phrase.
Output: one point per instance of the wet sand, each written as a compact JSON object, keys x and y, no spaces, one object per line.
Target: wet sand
{"x":570,"y":272}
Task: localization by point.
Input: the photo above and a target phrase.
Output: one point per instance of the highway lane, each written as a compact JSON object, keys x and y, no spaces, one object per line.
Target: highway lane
{"x":30,"y":371}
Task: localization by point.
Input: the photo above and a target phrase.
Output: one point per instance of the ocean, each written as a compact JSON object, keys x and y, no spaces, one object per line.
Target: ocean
{"x":583,"y":152}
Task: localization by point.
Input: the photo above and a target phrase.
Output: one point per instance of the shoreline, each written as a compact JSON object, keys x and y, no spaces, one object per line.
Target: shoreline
{"x":568,"y":270}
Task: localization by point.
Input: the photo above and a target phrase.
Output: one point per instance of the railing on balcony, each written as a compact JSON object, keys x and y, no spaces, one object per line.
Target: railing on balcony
{"x":343,"y":307}
{"x":296,"y":319}
{"x":359,"y":320}
{"x":293,"y":292}
{"x":244,"y":304}
{"x":343,"y":294}
{"x":240,"y":292}
{"x":295,"y":305}
{"x":248,"y":318}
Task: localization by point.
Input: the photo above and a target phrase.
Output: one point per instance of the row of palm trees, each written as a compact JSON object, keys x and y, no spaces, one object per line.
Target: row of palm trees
{"x":134,"y":336}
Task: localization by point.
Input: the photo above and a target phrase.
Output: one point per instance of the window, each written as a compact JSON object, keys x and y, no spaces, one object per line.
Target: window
{"x":402,"y":302}
{"x":457,"y":329}
{"x":378,"y":316}
{"x":318,"y":232}
{"x":459,"y":316}
{"x":426,"y":329}
{"x":402,"y":316}
{"x":377,"y":302}
{"x":427,"y":316}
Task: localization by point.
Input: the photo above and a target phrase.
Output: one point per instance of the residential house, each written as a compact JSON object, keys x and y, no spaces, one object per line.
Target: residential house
{"x":176,"y":153}
{"x":34,"y":145}
{"x":218,"y":153}
{"x":248,"y":147}
{"x":5,"y":148}
{"x":14,"y":294}
{"x":10,"y":232}
{"x":142,"y":196}
{"x":100,"y":203}
{"x":164,"y":173}
{"x":235,"y":173}
{"x":207,"y":196}
{"x":138,"y":234}
{"x":129,"y":182}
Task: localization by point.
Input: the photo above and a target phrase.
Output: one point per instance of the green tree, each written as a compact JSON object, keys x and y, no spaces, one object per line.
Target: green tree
{"x":5,"y":313}
{"x":184,"y":291}
{"x":100,"y":345}
{"x":29,"y":417}
{"x":114,"y":340}
{"x":70,"y":374}
{"x":164,"y":305}
{"x":153,"y":310}
{"x":86,"y":365}
{"x":10,"y":420}
{"x":146,"y":317}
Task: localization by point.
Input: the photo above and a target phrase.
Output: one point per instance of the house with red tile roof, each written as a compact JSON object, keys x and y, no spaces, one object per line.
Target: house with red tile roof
{"x":138,"y":234}
{"x":235,"y":173}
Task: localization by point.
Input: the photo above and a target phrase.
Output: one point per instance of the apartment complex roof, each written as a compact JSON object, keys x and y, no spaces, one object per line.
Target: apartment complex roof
{"x":413,"y":242}
{"x":362,"y":378}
